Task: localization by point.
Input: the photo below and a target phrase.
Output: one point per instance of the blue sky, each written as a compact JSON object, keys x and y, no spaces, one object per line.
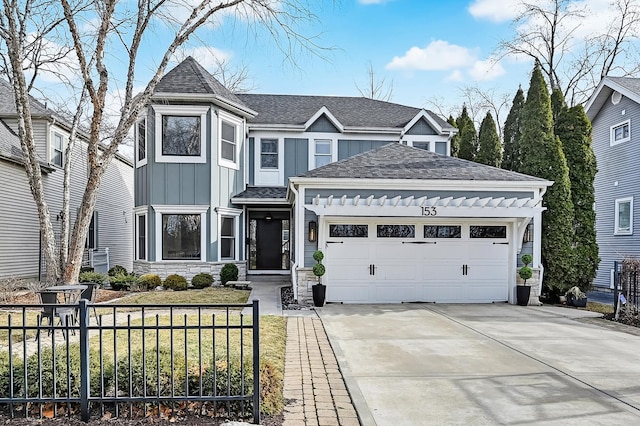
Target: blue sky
{"x":428,"y":49}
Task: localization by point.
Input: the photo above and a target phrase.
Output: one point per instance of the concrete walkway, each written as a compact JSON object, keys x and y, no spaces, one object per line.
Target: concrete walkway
{"x":314,"y":390}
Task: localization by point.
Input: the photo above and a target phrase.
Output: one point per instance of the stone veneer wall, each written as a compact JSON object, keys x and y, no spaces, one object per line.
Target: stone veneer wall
{"x":305,"y":280}
{"x":188,"y":269}
{"x":534,"y":282}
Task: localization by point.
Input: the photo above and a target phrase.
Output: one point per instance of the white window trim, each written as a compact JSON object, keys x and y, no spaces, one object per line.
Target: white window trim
{"x":161,"y":110}
{"x":143,"y":162}
{"x":224,"y":211}
{"x":141,"y":211}
{"x":239,"y":124}
{"x":332,"y":137}
{"x":65,"y":138}
{"x":616,"y":229}
{"x":178,"y":209}
{"x":612,"y":140}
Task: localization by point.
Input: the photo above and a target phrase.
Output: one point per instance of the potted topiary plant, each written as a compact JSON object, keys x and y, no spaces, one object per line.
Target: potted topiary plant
{"x":319,"y":290}
{"x":524,"y":291}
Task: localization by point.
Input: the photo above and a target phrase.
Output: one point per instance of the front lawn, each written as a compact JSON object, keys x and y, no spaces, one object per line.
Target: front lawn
{"x":210,"y":295}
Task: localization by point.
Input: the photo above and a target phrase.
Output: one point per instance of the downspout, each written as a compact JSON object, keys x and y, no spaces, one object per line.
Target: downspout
{"x":294,"y":267}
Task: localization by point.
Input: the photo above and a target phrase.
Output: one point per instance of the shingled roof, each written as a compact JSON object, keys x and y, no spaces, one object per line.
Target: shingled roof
{"x":9,"y":143}
{"x":349,"y":111}
{"x":190,"y":77}
{"x":627,"y":86}
{"x":8,"y":106}
{"x":398,"y":161}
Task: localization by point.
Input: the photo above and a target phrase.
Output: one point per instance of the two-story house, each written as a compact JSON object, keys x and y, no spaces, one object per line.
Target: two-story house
{"x":108,"y":242}
{"x":265,"y":180}
{"x":614,"y":111}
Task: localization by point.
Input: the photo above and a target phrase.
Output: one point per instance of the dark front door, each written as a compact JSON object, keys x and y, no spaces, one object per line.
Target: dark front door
{"x":268,"y":244}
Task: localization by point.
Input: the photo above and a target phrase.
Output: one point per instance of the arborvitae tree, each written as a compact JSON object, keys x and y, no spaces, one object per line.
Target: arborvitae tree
{"x":542,"y":156}
{"x":490,"y":148}
{"x":574,"y":130}
{"x":558,"y":105}
{"x":511,"y":134}
{"x":455,"y":140}
{"x":468,"y":136}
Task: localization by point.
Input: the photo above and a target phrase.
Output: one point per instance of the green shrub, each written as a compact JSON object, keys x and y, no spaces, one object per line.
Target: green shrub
{"x":175,"y":282}
{"x":122,"y":282}
{"x":526,"y":259}
{"x":118,"y":270}
{"x":86,"y":269}
{"x":319,"y":270}
{"x":318,"y":256}
{"x":144,"y":375}
{"x":92,"y":277}
{"x":229,"y":272}
{"x":202,"y":280}
{"x":149,"y":281}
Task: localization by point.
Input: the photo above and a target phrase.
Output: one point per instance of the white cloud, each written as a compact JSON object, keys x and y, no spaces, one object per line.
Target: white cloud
{"x":495,"y":10}
{"x":486,"y":70}
{"x":438,"y":55}
{"x":456,"y":75}
{"x":209,"y":57}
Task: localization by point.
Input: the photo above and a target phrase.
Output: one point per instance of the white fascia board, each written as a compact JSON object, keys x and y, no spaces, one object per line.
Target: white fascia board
{"x":423,"y":114}
{"x":374,"y":130}
{"x":256,"y":127}
{"x":261,"y":201}
{"x":203,"y":97}
{"x":612,"y":85}
{"x":432,"y":185}
{"x":415,"y":211}
{"x":324,"y":111}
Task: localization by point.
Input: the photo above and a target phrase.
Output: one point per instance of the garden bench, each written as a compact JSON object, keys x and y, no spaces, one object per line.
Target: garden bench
{"x":240,"y":285}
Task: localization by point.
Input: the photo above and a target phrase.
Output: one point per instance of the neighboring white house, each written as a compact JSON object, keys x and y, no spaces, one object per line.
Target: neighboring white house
{"x":614,"y":111}
{"x":20,"y":251}
{"x":265,"y":180}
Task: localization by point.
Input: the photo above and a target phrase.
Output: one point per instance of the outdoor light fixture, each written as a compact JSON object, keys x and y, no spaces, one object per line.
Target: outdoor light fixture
{"x":527,"y":238}
{"x":313,"y":231}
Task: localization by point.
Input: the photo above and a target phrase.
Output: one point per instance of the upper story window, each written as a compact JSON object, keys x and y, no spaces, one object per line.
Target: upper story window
{"x":141,"y":142}
{"x":180,"y":133}
{"x":322,"y":152}
{"x":57,"y":149}
{"x":269,"y":153}
{"x":441,"y":148}
{"x":230,"y":134}
{"x":422,"y":145}
{"x":620,"y":132}
{"x":624,"y":216}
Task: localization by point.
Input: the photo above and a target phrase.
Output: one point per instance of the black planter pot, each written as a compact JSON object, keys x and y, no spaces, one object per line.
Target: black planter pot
{"x":578,"y":303}
{"x":522,"y":295}
{"x":319,"y":293}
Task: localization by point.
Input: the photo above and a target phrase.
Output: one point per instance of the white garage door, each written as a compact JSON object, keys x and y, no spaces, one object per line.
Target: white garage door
{"x":385,"y":263}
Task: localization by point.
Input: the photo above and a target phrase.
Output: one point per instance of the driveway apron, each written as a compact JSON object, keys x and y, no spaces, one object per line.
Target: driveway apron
{"x":483,"y":364}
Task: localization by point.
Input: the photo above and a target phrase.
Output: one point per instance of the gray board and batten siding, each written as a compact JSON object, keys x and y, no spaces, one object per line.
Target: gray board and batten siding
{"x":323,"y":125}
{"x":617,"y":178}
{"x":349,"y":148}
{"x":421,"y":127}
{"x":296,"y":157}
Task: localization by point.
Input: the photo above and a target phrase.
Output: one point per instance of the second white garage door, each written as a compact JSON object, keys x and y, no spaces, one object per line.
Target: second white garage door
{"x":390,"y":263}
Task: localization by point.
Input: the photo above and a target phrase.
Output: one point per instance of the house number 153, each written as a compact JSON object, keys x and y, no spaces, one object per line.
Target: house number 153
{"x":429,"y":211}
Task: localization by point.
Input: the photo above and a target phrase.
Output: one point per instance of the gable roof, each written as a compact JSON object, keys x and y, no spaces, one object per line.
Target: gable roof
{"x":398,"y":161}
{"x":11,"y":150}
{"x":627,"y":86}
{"x":189,"y":77}
{"x":8,"y":106}
{"x":359,"y":112}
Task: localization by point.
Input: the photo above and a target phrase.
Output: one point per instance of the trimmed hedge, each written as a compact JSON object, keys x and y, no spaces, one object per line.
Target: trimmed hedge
{"x":229,"y":272}
{"x":175,"y":282}
{"x":93,"y":277}
{"x":149,"y":281}
{"x":202,"y":280}
{"x":122,"y":282}
{"x":118,"y":270}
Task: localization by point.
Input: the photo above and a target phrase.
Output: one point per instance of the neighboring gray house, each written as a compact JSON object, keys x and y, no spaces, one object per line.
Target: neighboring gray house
{"x":265,"y":180}
{"x":614,"y":111}
{"x":20,"y":254}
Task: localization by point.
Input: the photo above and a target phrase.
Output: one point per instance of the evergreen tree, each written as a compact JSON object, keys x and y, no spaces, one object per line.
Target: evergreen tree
{"x":574,"y":130}
{"x":558,"y":105}
{"x":455,"y":140}
{"x":511,"y":157}
{"x":468,"y":136}
{"x":542,"y":156}
{"x":489,"y":147}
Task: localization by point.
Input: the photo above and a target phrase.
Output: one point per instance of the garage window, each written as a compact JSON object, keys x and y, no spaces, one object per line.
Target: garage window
{"x":396,"y":231}
{"x":349,"y":231}
{"x":442,"y":231}
{"x":488,"y":231}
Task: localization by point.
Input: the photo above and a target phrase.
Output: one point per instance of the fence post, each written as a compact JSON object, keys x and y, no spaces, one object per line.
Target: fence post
{"x":616,"y":286}
{"x":256,"y":362}
{"x":83,"y":318}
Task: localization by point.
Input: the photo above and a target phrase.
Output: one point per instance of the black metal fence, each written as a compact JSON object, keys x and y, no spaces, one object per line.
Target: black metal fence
{"x":131,"y":360}
{"x":625,"y":282}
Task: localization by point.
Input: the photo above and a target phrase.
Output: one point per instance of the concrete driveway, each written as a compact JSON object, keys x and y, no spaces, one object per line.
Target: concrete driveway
{"x":484,"y":365}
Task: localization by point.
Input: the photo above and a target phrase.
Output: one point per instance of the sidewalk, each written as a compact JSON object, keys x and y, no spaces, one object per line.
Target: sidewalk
{"x":314,"y":390}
